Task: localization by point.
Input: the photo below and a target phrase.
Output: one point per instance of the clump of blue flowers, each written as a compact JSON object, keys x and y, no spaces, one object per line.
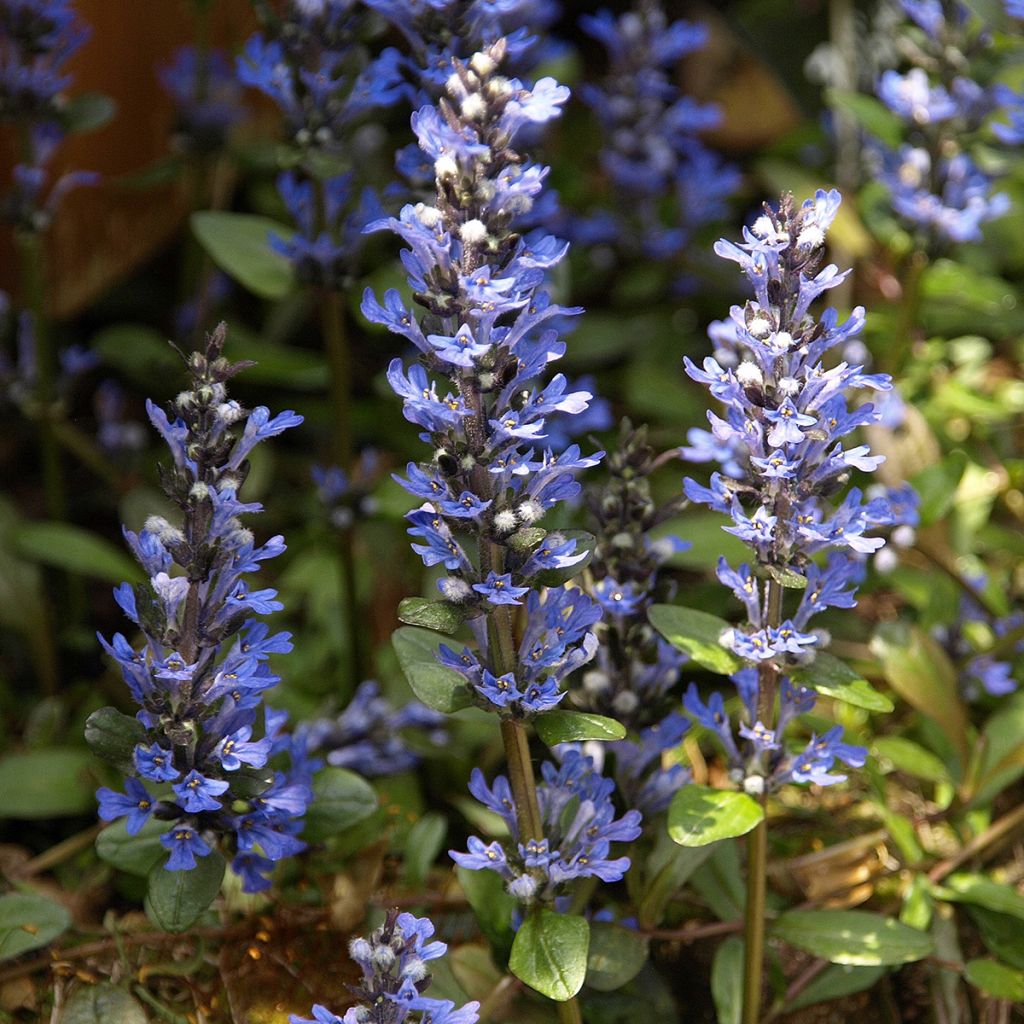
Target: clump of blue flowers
{"x":934,"y":180}
{"x":488,"y":326}
{"x":579,"y":825}
{"x":394,"y":963}
{"x":665,"y":182}
{"x":207,"y":97}
{"x":197,"y":762}
{"x":785,"y":468}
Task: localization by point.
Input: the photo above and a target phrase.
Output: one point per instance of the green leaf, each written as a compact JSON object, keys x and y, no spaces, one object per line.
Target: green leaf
{"x":87,"y":111}
{"x":422,"y":845}
{"x":668,"y":867}
{"x":442,"y":616}
{"x":936,"y":487}
{"x":239,"y":243}
{"x":871,"y":114}
{"x":138,"y":351}
{"x":852,"y":937}
{"x":137,"y":854}
{"x":175,"y":899}
{"x":114,"y":736}
{"x":616,"y":956}
{"x":995,"y":979}
{"x":698,"y":634}
{"x":834,"y":678}
{"x":492,"y":905}
{"x":1002,"y":752}
{"x":784,"y":577}
{"x":569,"y":726}
{"x":102,"y":1004}
{"x":911,"y":758}
{"x":585,"y":543}
{"x":526,"y":539}
{"x":920,"y":671}
{"x":28,"y":921}
{"x":550,"y":953}
{"x":51,"y":783}
{"x":1001,"y":934}
{"x":440,"y":688}
{"x":699,"y":815}
{"x":727,"y":981}
{"x":982,"y":892}
{"x":75,"y":550}
{"x":835,"y":981}
{"x":341,"y":799}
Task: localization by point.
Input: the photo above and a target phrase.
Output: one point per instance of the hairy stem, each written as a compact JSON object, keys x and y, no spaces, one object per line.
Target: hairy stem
{"x":569,"y":1012}
{"x":757,"y":840}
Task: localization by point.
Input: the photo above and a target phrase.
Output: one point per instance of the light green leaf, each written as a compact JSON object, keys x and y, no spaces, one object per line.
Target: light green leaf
{"x":550,"y":953}
{"x":440,"y":688}
{"x":1002,"y":752}
{"x":442,"y":616}
{"x":912,"y":758}
{"x":239,"y":243}
{"x":668,"y":867}
{"x":616,"y":955}
{"x":871,"y":114}
{"x":50,"y":783}
{"x":137,"y":854}
{"x":698,"y":634}
{"x":835,"y":981}
{"x":699,"y":815}
{"x":341,"y":799}
{"x":727,"y":981}
{"x":834,"y":678}
{"x":569,"y":726}
{"x":982,"y":892}
{"x":852,"y":937}
{"x":422,"y":845}
{"x":995,"y":979}
{"x":73,"y":549}
{"x":102,"y":1004}
{"x":28,"y":921}
{"x":175,"y":899}
{"x":492,"y":905}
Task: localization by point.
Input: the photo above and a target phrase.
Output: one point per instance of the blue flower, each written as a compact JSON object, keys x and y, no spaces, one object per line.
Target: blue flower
{"x":137,"y":805}
{"x":184,"y":844}
{"x":500,"y":590}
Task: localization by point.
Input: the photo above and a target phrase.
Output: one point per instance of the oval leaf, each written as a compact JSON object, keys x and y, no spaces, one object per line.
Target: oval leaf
{"x":51,"y":783}
{"x":982,"y":892}
{"x":113,"y":737}
{"x":137,"y":854}
{"x":852,"y":937}
{"x":75,"y":550}
{"x":239,"y":243}
{"x":996,"y":979}
{"x":175,"y":899}
{"x":697,"y":633}
{"x":102,"y":1004}
{"x":341,"y":799}
{"x":616,"y":956}
{"x":442,"y":616}
{"x":907,"y":756}
{"x":699,"y":815}
{"x":550,"y":954}
{"x":492,"y":905}
{"x":570,"y":726}
{"x":727,"y":981}
{"x":28,"y":921}
{"x":834,"y":678}
{"x":440,"y":688}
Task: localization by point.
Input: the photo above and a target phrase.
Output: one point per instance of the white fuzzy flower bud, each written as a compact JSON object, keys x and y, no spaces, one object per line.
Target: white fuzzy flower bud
{"x":445,"y":167}
{"x":415,"y":969}
{"x":454,"y":589}
{"x":763,"y":227}
{"x":530,"y":511}
{"x":454,"y":87}
{"x":199,"y":491}
{"x":428,"y":216}
{"x":505,"y":521}
{"x":885,"y":561}
{"x":596,"y":682}
{"x":904,"y":536}
{"x":482,"y":64}
{"x":753,"y":785}
{"x":759,"y":327}
{"x":625,"y":702}
{"x":748,"y":373}
{"x":163,"y":531}
{"x":360,"y":950}
{"x":789,"y":386}
{"x":341,"y":518}
{"x":810,"y":237}
{"x":473,"y":231}
{"x":474,"y":107}
{"x":383,"y":956}
{"x":229,"y":412}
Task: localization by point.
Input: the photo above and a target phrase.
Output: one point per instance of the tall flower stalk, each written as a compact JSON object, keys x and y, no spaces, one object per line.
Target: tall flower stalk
{"x":784,"y":483}
{"x":200,"y":675}
{"x":489,"y":325}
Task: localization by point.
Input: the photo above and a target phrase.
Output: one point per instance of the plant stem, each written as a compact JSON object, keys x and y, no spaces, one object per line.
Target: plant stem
{"x":569,"y":1012}
{"x":757,"y":840}
{"x":907,"y":323}
{"x":339,"y":362}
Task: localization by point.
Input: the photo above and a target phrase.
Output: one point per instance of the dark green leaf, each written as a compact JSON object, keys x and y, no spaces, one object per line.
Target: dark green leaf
{"x":87,"y":111}
{"x":550,"y":953}
{"x":698,"y":634}
{"x":114,"y":736}
{"x":616,"y":955}
{"x":422,"y":845}
{"x":699,"y":815}
{"x":492,"y":905}
{"x":1002,"y":752}
{"x":102,"y":1004}
{"x":1001,"y":934}
{"x":341,"y":799}
{"x":727,"y":981}
{"x":719,"y":882}
{"x":28,"y":921}
{"x":49,"y":783}
{"x":834,"y":678}
{"x":138,"y":854}
{"x":852,"y":937}
{"x":871,"y":114}
{"x":835,"y":981}
{"x":920,"y":671}
{"x":175,"y":899}
{"x":936,"y":487}
{"x":668,"y":867}
{"x":911,"y":758}
{"x":784,"y":577}
{"x":995,"y":979}
{"x":982,"y":892}
{"x":239,"y":243}
{"x":73,"y":549}
{"x":138,"y":351}
{"x":526,"y":539}
{"x":440,"y":688}
{"x":585,"y":542}
{"x":442,"y":616}
{"x":570,"y":726}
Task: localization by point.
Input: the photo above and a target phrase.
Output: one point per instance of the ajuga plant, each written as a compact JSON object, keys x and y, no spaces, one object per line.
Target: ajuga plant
{"x":190,"y":754}
{"x":488,"y":325}
{"x":664,"y":182}
{"x":37,"y":37}
{"x":311,"y":61}
{"x":635,"y":670}
{"x":784,"y":483}
{"x":394,"y":962}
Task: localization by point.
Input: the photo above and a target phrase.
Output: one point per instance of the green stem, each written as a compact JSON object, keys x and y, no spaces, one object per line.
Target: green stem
{"x":569,"y":1012}
{"x":907,"y":324}
{"x":757,"y":840}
